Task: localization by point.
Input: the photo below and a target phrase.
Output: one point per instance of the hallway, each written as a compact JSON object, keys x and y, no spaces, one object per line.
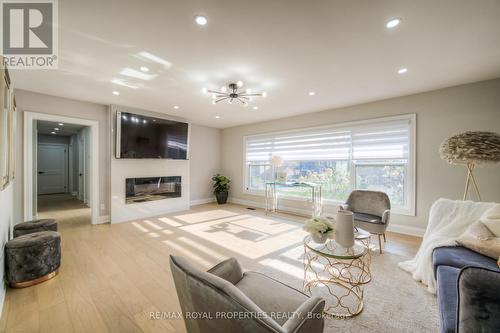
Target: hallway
{"x":64,"y":208}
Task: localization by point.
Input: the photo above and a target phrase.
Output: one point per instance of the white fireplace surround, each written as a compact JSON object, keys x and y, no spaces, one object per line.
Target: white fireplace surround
{"x":139,"y":168}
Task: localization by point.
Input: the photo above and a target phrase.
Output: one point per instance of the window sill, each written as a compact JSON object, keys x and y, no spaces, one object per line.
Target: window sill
{"x":329,"y":203}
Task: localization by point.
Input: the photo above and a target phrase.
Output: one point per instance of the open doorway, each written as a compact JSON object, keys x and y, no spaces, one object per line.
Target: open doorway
{"x":62,"y":171}
{"x":61,"y":168}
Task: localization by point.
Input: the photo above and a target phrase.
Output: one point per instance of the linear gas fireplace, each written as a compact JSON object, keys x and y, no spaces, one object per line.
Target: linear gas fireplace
{"x":152,"y":188}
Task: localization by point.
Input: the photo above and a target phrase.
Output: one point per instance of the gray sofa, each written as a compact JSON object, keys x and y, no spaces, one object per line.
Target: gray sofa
{"x":251,"y":299}
{"x":468,"y":290}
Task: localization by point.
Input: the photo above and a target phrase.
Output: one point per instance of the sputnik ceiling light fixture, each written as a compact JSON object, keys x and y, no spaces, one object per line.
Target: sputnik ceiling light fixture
{"x":231,"y":94}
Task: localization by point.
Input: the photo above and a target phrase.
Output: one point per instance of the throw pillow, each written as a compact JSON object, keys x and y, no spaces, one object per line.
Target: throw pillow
{"x":479,"y":238}
{"x":491,"y":218}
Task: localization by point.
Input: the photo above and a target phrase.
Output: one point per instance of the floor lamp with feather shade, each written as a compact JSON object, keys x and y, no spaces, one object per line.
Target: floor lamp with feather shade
{"x":470,"y":149}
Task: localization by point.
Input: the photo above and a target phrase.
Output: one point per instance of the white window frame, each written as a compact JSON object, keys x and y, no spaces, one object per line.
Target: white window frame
{"x":409,"y":210}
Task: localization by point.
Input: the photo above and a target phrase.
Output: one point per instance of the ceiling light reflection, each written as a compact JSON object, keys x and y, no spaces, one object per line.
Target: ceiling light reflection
{"x":137,"y":74}
{"x":123,"y":83}
{"x":154,"y":58}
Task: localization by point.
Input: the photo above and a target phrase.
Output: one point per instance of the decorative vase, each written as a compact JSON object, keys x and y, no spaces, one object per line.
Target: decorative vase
{"x":319,"y":237}
{"x":221,"y":197}
{"x":344,"y":229}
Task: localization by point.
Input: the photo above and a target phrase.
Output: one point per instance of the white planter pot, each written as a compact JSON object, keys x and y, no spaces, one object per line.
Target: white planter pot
{"x":344,"y":229}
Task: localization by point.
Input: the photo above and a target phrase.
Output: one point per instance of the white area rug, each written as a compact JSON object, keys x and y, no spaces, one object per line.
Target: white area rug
{"x":393,"y":301}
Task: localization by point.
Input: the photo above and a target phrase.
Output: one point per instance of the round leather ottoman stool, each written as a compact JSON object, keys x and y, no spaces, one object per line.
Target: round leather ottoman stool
{"x":32,"y":258}
{"x":35,"y":226}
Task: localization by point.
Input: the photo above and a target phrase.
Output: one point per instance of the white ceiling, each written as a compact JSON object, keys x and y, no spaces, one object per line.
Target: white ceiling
{"x":339,"y":49}
{"x":47,"y":127}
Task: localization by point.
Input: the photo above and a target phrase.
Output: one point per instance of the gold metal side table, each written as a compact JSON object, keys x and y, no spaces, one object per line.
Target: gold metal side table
{"x":340,"y":272}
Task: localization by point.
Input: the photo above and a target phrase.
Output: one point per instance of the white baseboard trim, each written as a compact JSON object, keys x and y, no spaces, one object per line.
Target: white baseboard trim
{"x":248,"y":203}
{"x":397,"y":228}
{"x":406,"y":230}
{"x":104,"y":219}
{"x":201,"y":201}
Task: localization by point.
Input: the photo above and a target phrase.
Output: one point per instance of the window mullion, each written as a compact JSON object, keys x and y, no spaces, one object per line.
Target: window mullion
{"x":352,"y":167}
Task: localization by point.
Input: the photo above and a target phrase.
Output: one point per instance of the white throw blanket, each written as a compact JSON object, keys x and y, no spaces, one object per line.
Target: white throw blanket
{"x":448,"y":219}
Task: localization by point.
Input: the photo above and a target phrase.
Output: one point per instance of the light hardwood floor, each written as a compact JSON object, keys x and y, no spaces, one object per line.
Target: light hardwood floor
{"x":113,"y":277}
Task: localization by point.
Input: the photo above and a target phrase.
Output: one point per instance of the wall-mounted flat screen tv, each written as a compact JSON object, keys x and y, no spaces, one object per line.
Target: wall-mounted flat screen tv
{"x":139,"y":136}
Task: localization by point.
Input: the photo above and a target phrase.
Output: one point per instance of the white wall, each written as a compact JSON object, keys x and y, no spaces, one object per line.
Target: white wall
{"x":440,"y":114}
{"x":35,"y":102}
{"x":6,"y":225}
{"x":205,"y":161}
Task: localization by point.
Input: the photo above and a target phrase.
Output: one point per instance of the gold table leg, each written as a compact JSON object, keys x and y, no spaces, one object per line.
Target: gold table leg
{"x":342,"y":278}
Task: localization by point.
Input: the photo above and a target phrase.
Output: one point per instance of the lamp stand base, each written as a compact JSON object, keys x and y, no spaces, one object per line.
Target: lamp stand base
{"x":470,"y":177}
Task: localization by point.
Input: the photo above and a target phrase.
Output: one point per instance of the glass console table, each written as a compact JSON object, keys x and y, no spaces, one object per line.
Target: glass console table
{"x":316,"y":196}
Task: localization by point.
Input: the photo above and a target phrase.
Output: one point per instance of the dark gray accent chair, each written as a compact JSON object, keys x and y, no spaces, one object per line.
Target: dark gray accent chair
{"x":35,"y":226}
{"x":372,"y":211}
{"x":468,"y":290}
{"x":226,"y":289}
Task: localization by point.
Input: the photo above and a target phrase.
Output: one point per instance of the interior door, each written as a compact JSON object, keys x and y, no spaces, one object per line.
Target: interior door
{"x":81,"y":166}
{"x":52,"y":165}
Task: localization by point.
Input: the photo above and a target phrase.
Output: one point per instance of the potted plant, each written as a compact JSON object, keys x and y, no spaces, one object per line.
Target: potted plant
{"x":221,"y":188}
{"x":320,"y":229}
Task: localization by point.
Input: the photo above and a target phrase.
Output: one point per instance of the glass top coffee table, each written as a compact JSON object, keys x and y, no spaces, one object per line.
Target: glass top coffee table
{"x":338,"y":271}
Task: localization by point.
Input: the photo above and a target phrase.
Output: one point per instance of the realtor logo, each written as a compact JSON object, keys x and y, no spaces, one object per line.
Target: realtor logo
{"x":29,"y":34}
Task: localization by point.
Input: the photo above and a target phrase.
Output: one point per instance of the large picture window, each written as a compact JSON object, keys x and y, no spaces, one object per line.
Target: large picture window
{"x":373,"y":154}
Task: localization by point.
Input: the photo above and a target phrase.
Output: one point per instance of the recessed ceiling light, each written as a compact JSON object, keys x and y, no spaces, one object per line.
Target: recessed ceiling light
{"x":52,"y":132}
{"x":144,"y":69}
{"x":56,"y":129}
{"x":177,"y":107}
{"x":116,"y":93}
{"x":255,"y":108}
{"x":217,"y":117}
{"x":200,"y":20}
{"x":393,"y":23}
{"x":312,"y":93}
{"x":61,"y":124}
{"x":402,"y":70}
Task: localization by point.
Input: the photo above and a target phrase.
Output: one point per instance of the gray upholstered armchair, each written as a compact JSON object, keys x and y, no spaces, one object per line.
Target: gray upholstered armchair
{"x":251,"y":302}
{"x":372,"y":210}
